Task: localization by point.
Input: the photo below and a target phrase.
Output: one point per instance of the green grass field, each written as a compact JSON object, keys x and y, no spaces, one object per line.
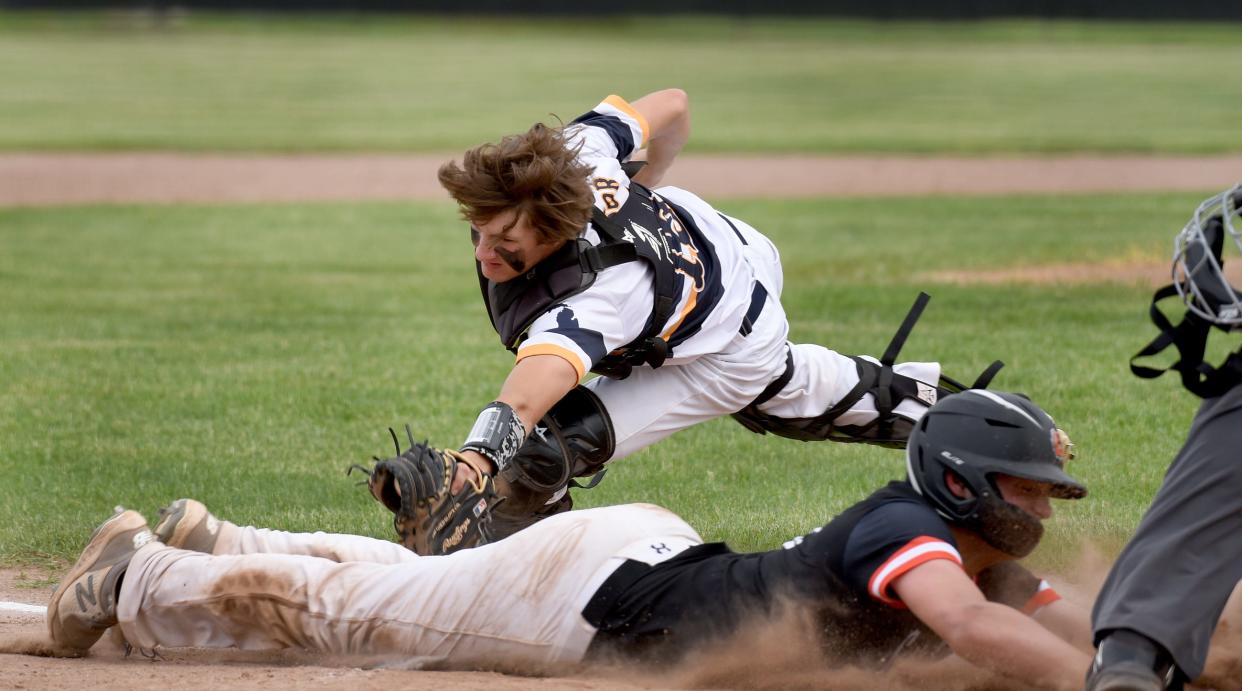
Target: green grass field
{"x":246,"y":355}
{"x":204,"y":82}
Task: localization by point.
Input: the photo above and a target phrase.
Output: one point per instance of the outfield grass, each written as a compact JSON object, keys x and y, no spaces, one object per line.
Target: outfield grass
{"x":204,"y":82}
{"x":247,"y":354}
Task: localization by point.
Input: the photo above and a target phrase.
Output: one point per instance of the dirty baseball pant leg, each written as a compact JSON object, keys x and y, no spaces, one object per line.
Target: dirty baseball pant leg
{"x":1172,"y":580}
{"x":235,"y":539}
{"x":514,"y":602}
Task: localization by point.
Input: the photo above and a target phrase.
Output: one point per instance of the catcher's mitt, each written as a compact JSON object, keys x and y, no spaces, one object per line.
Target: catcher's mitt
{"x":428,"y":517}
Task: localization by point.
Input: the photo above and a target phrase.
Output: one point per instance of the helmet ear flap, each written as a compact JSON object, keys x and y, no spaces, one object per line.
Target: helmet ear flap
{"x":957,"y":485}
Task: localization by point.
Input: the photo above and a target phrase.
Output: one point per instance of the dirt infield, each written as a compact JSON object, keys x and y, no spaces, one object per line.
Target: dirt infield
{"x":50,"y":179}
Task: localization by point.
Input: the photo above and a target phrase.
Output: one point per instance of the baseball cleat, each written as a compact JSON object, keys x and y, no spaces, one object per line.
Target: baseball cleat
{"x":187,"y":524}
{"x":84,"y":605}
{"x":1126,"y":660}
{"x":1125,"y":677}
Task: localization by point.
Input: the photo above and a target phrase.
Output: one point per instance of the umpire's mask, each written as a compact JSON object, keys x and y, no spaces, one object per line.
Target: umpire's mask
{"x":1198,"y":260}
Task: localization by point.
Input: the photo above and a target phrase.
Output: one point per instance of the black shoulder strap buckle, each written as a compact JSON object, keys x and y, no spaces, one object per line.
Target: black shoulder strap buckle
{"x":655,"y":351}
{"x":632,"y":168}
{"x":597,"y":258}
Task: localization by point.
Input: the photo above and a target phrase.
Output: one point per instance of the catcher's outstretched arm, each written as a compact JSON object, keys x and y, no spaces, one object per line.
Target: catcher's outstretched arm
{"x":533,"y":386}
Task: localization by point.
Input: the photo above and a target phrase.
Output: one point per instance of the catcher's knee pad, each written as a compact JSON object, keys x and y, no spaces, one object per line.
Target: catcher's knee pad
{"x":888,"y":428}
{"x":574,"y":439}
{"x":888,"y":389}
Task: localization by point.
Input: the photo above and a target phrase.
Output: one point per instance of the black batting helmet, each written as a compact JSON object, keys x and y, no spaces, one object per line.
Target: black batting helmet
{"x":977,"y":435}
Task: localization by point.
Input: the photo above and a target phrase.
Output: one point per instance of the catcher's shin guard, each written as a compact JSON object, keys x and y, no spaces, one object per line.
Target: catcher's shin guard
{"x":889,"y":389}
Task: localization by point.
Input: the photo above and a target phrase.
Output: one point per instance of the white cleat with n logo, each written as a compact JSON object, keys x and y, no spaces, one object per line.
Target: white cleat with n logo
{"x":84,"y":606}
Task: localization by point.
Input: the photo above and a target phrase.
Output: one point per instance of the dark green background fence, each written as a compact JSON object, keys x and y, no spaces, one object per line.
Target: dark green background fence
{"x":874,"y":9}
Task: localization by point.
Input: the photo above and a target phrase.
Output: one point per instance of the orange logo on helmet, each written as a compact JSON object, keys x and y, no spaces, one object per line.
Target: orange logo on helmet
{"x":1062,"y":447}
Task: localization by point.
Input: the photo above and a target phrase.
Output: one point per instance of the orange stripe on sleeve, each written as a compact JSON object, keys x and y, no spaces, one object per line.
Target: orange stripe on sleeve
{"x":622,"y":105}
{"x":549,"y":349}
{"x":917,"y":552}
{"x":1042,"y":597}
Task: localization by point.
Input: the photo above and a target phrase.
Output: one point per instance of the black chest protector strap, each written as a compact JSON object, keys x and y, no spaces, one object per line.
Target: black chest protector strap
{"x":1189,"y":337}
{"x":649,"y":348}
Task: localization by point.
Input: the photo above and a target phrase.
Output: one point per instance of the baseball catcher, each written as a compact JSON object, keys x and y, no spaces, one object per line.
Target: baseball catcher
{"x":586,"y":264}
{"x":429,"y":516}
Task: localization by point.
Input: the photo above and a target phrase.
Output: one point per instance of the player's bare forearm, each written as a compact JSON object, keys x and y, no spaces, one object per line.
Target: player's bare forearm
{"x":987,"y":634}
{"x":668,"y":116}
{"x":533,"y":386}
{"x":1004,"y":640}
{"x":1071,"y":622}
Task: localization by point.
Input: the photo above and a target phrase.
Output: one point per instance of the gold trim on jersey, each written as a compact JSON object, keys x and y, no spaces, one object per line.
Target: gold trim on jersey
{"x":624,"y":106}
{"x":551,"y":349}
{"x":686,"y":309}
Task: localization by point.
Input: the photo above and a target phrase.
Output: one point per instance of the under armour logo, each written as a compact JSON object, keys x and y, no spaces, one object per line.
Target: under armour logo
{"x":541,"y":432}
{"x":661,"y":548}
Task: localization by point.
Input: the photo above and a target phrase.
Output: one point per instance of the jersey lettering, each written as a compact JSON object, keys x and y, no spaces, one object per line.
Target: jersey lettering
{"x":686,"y":257}
{"x":606,"y":189}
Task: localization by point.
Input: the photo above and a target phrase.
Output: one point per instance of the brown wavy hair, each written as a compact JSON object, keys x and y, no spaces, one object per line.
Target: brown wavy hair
{"x":535,"y":173}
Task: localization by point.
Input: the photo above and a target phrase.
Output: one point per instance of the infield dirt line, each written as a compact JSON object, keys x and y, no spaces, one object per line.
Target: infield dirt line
{"x":48,"y":179}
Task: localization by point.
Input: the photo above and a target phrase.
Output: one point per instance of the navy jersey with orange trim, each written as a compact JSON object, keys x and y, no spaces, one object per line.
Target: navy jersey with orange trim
{"x":841,"y":572}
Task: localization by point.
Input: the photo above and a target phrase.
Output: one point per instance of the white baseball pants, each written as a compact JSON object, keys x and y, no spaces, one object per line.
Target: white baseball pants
{"x":652,"y":404}
{"x":516,"y":602}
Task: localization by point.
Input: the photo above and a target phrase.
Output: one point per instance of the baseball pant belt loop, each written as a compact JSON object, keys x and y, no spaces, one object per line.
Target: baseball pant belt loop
{"x":778,"y":383}
{"x":758,"y":298}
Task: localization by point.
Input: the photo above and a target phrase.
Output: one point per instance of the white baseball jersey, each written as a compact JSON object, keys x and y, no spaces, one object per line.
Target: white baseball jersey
{"x":514,"y":602}
{"x":717,"y":283}
{"x":715,"y":369}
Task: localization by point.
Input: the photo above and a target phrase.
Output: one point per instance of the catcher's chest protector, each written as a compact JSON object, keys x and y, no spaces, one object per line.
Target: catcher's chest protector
{"x":648,"y":228}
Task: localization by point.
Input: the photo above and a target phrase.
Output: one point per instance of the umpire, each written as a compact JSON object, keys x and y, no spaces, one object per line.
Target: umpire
{"x":1154,"y":618}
